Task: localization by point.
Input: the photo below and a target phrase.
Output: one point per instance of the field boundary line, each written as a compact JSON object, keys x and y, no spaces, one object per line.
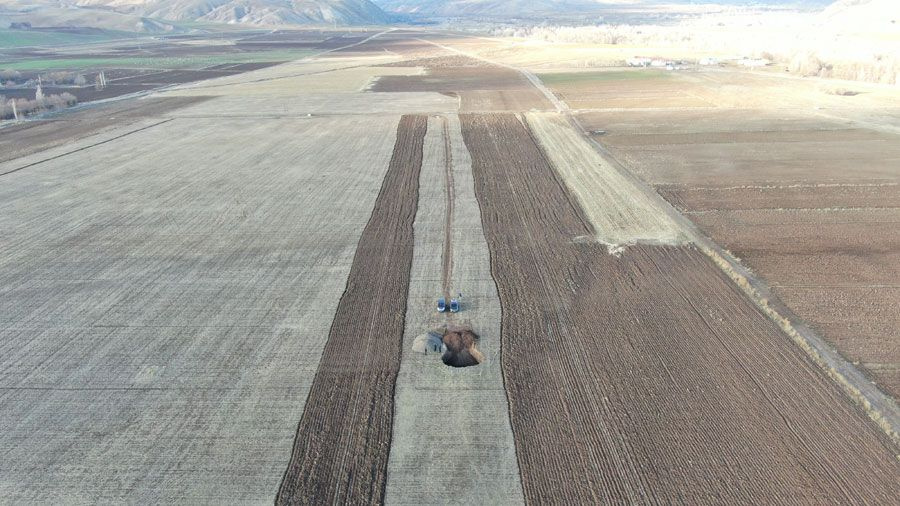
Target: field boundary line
{"x":55,"y":157}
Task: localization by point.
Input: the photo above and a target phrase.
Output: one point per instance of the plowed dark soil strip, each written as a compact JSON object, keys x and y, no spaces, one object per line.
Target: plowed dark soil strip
{"x":341,"y":449}
{"x":649,"y":378}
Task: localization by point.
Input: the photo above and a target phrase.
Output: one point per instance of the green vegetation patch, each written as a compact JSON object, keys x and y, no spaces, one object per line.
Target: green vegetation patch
{"x":613,"y":75}
{"x":174,"y":62}
{"x":23,"y":38}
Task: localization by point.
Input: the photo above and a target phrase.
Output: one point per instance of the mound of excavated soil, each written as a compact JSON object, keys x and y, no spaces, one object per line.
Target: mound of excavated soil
{"x":461,"y":349}
{"x":429,"y":342}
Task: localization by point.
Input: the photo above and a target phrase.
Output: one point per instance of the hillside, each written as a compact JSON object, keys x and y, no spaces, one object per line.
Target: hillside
{"x":144,"y":15}
{"x":566,"y":8}
{"x":864,"y":14}
{"x":264,"y":12}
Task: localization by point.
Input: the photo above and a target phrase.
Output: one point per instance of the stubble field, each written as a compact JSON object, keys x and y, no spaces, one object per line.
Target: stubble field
{"x":163,"y":316}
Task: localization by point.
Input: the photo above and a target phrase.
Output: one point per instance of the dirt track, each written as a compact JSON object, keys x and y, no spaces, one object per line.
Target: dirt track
{"x":341,"y":449}
{"x":447,"y":255}
{"x":649,"y":377}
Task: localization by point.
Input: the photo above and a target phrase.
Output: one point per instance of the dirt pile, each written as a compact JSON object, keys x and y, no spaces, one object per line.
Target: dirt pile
{"x":461,"y":347}
{"x":429,"y":342}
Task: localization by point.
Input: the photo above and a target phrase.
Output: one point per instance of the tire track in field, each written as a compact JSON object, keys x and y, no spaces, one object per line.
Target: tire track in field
{"x":341,"y":449}
{"x":92,"y":145}
{"x":447,"y":257}
{"x":649,"y":377}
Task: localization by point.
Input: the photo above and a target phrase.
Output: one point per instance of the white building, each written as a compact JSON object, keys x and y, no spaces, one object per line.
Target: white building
{"x":638,"y":61}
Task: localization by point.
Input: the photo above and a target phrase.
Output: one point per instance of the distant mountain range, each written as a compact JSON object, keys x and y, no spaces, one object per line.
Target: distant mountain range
{"x":168,"y":15}
{"x":153,"y":15}
{"x":517,"y":9}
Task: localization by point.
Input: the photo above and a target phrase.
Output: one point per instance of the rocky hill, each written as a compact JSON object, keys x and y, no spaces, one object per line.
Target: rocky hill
{"x":148,"y":15}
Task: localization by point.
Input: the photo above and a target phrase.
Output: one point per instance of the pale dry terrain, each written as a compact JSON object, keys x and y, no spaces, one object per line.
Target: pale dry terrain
{"x":452,"y":441}
{"x":621,"y":212}
{"x":163,"y":312}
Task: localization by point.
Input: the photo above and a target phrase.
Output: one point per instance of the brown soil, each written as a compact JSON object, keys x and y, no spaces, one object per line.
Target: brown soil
{"x":809,"y":203}
{"x":34,"y":136}
{"x":341,"y":449}
{"x":774,"y":196}
{"x":461,"y":347}
{"x":456,"y":79}
{"x":124,"y":81}
{"x":649,"y":377}
{"x":835,"y":268}
{"x":290,"y":36}
{"x":395,"y":43}
{"x":434,"y":62}
{"x":447,"y":253}
{"x":480,"y":88}
{"x":341,"y":41}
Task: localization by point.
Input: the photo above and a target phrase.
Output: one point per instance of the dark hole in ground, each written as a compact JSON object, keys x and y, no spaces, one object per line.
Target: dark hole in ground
{"x":461,"y":347}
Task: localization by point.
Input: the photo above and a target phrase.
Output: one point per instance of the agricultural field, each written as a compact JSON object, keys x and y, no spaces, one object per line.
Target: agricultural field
{"x":225,"y":290}
{"x":809,"y":203}
{"x":33,"y":137}
{"x":650,"y":347}
{"x":135,"y":66}
{"x":183,"y":326}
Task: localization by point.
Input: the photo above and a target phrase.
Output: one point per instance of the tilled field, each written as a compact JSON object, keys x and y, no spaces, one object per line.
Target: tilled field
{"x":137,"y":83}
{"x":341,"y":449}
{"x":836,"y":267}
{"x":649,"y":377}
{"x":811,"y":204}
{"x":480,"y":87}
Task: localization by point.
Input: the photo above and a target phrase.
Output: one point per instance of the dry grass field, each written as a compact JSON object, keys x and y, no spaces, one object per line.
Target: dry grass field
{"x":163,"y":315}
{"x":226,"y":292}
